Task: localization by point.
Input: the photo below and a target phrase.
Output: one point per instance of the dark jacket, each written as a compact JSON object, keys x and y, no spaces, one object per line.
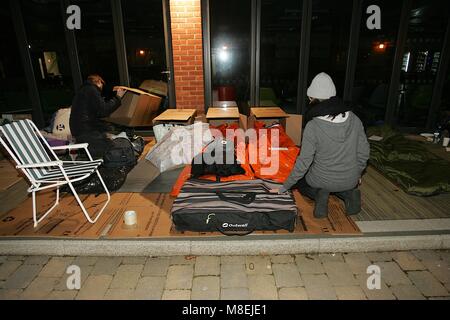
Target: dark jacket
{"x":88,"y":107}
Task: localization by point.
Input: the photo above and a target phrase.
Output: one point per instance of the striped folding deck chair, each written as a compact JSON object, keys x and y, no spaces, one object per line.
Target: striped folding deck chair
{"x":42,"y":167}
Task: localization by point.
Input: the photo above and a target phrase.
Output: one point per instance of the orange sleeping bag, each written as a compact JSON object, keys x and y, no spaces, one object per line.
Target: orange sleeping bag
{"x":274,"y":162}
{"x":263,"y":160}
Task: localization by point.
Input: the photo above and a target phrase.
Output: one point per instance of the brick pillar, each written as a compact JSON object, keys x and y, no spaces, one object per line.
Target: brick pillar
{"x":186,"y":23}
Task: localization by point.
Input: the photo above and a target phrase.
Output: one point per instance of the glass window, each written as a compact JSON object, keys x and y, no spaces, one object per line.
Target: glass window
{"x":375,"y":60}
{"x":14,"y":92}
{"x":444,"y":113}
{"x":47,"y":44}
{"x":95,"y":40}
{"x":144,"y":37}
{"x":330,"y":30}
{"x":280,"y":51}
{"x":230,"y":24}
{"x":426,"y":32}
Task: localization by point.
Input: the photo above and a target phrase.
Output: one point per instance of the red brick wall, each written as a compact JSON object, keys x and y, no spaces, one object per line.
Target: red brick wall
{"x":187,"y":45}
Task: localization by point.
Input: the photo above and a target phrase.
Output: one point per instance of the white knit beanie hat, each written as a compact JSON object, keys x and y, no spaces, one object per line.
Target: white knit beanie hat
{"x":322,"y":87}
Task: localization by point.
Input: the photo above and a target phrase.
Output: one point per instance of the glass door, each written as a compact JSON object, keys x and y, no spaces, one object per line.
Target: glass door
{"x":230,"y":32}
{"x":44,"y":27}
{"x":148,"y":57}
{"x":280,"y":52}
{"x":374,"y":62}
{"x":427,"y":25}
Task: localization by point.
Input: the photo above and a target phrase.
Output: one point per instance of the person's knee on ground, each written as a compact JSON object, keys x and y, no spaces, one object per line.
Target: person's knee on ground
{"x":319,"y":196}
{"x":352,"y":200}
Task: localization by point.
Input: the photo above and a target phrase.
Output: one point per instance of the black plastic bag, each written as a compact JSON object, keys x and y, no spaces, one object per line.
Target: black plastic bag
{"x":114,"y":178}
{"x":138,"y":144}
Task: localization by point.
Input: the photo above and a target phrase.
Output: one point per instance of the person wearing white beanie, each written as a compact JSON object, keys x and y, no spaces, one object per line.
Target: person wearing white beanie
{"x":334,"y":151}
{"x":322,"y":87}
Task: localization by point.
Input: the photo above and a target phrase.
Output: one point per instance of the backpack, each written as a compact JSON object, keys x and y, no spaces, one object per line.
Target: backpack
{"x":222,"y":169}
{"x":120,"y":154}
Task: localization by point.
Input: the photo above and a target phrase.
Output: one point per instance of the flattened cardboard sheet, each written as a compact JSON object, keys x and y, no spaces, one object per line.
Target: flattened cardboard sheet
{"x":222,"y":113}
{"x":154,"y":219}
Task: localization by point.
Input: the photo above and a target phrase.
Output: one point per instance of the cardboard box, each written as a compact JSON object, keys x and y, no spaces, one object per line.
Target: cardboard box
{"x":292,"y":123}
{"x":137,"y":110}
{"x":219,"y":116}
{"x":293,"y":128}
{"x":201,"y":117}
{"x":156,"y":87}
{"x":176,"y":116}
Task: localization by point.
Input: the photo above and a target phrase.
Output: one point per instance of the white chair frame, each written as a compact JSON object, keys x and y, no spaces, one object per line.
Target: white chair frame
{"x":38,"y":185}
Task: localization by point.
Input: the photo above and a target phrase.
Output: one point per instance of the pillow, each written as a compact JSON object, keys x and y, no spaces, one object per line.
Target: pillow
{"x":61,"y":126}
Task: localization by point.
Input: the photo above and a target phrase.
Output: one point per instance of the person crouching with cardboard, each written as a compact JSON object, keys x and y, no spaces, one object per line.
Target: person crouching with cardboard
{"x":88,"y":107}
{"x":334,"y":151}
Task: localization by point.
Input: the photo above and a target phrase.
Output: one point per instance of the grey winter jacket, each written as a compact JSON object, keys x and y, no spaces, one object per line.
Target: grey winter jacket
{"x":333,"y":155}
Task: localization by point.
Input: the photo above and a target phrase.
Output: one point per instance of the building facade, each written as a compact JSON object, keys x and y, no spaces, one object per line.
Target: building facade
{"x":389,"y":59}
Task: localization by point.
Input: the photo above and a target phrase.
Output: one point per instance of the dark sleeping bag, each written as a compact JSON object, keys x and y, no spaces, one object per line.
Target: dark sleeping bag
{"x":408,"y":163}
{"x":233,"y":208}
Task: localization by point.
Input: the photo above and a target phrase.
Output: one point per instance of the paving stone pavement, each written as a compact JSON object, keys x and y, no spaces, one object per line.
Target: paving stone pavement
{"x":405,"y":275}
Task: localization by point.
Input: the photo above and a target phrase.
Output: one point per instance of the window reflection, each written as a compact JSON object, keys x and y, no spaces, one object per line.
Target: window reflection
{"x":144,"y":38}
{"x":375,"y":60}
{"x":444,"y":112}
{"x":280,"y":51}
{"x":95,"y":40}
{"x":230,"y":23}
{"x":426,"y":32}
{"x":330,"y":29}
{"x":14,"y":92}
{"x":47,"y":45}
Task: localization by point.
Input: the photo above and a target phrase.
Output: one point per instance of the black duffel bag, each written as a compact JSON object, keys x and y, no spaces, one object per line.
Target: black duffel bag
{"x":233,"y":208}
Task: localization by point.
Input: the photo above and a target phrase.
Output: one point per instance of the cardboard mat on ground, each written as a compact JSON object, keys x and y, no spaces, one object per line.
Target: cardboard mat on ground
{"x":154,"y":220}
{"x":13,"y":187}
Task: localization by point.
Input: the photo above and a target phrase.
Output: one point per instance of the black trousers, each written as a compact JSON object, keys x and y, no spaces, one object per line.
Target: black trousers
{"x":98,"y":143}
{"x":306,"y":190}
